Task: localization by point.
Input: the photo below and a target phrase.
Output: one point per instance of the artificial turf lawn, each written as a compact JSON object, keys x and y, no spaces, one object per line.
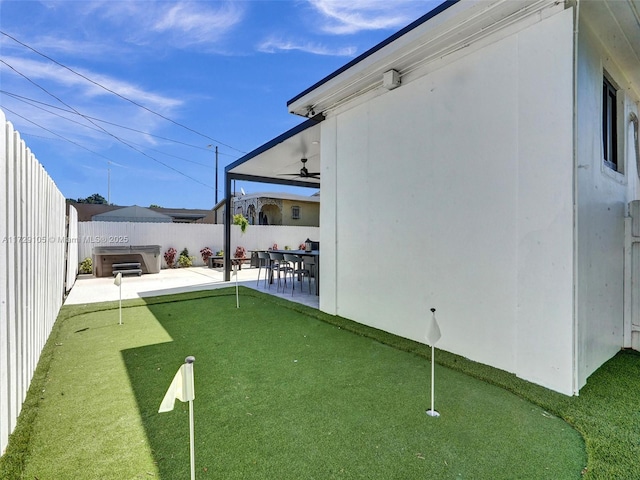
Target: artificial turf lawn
{"x":107,"y":439}
{"x":279,"y":394}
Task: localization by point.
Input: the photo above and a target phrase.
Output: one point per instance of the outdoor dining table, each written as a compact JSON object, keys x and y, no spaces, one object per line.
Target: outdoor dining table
{"x":303,"y":253}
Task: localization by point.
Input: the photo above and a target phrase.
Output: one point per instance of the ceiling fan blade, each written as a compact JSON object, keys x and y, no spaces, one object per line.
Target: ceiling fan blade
{"x":303,"y":173}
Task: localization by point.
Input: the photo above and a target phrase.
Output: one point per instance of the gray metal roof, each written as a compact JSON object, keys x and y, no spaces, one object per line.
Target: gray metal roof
{"x":132,"y":214}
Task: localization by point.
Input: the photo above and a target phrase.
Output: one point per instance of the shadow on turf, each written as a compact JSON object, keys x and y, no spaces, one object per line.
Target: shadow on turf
{"x":152,"y":368}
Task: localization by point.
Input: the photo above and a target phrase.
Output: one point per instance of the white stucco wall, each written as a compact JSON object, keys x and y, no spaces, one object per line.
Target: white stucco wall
{"x":455,"y":191}
{"x":602,"y":196}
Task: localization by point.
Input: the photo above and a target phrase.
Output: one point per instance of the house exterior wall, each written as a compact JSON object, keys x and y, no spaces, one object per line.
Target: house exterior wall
{"x":602,"y":198}
{"x":309,"y":214}
{"x":270,"y":212}
{"x":278,"y":211}
{"x":468,"y":174}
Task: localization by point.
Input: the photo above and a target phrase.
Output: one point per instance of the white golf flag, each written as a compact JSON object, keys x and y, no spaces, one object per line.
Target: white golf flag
{"x":181,"y":388}
{"x":432,"y":335}
{"x":118,"y":279}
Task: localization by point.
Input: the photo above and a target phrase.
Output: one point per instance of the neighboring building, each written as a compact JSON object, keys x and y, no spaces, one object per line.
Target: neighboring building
{"x":88,"y":212}
{"x":217,"y":215}
{"x":481,"y":162}
{"x":132,"y":214}
{"x":275,"y":209}
{"x":185,"y":215}
{"x":279,"y":209}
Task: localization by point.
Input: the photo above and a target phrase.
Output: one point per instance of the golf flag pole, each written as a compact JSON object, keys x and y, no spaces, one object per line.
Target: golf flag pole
{"x":432,"y":335}
{"x":182,"y":388}
{"x":192,"y":448}
{"x":118,"y":282}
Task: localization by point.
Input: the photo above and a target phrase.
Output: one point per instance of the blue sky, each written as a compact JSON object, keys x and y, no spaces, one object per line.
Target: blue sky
{"x":220,"y":73}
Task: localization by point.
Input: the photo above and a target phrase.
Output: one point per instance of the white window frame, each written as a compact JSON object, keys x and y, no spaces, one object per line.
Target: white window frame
{"x":612,"y":125}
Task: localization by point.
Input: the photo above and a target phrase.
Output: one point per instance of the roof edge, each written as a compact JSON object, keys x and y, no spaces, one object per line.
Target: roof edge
{"x":279,"y":139}
{"x":416,"y":23}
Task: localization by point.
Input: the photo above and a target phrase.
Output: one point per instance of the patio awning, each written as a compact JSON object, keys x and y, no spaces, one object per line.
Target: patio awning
{"x":278,"y":161}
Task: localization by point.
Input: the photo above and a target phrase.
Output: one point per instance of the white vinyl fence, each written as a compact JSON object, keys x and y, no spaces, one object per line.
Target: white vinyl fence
{"x":32,"y":266}
{"x":72,"y":265}
{"x":192,"y":236}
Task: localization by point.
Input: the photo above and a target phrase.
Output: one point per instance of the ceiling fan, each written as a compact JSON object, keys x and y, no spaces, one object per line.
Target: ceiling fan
{"x":304,"y":173}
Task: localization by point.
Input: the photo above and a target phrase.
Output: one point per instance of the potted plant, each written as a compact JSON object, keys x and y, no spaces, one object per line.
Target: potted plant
{"x":239,"y":256}
{"x":170,"y":257}
{"x":206,"y":254}
{"x":86,"y":266}
{"x":240,"y":220}
{"x":185,"y":260}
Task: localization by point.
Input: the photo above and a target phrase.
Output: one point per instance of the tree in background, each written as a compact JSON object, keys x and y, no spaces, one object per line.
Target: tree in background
{"x":153,"y":205}
{"x":96,"y":198}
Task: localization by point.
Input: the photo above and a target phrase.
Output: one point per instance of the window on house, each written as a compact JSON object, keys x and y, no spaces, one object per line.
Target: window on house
{"x":610,"y":125}
{"x":295,"y":213}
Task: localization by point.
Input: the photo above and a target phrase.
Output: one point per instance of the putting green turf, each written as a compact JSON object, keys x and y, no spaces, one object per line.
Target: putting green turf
{"x":279,"y":394}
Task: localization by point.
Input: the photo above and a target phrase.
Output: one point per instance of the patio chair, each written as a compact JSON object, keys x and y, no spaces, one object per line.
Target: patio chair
{"x":309,"y":264}
{"x":264,"y":262}
{"x":277,"y":265}
{"x":297,"y":269}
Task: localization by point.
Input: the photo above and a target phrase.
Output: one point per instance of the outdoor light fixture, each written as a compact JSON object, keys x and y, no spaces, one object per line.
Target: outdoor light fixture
{"x":391,"y":79}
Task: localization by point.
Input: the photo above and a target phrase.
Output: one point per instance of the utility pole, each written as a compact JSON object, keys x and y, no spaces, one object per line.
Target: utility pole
{"x":216,"y":186}
{"x":216,"y":174}
{"x":108,"y":182}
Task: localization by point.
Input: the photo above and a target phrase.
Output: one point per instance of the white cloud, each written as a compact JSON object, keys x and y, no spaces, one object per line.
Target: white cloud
{"x":346,"y":17}
{"x":114,"y":27}
{"x":67,"y":46}
{"x":197,"y":23}
{"x":177,"y":24}
{"x":54,"y":75}
{"x":87,"y":98}
{"x":274,"y":44}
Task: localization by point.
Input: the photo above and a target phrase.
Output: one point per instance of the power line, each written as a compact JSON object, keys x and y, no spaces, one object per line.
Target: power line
{"x":88,"y":149}
{"x":82,"y":146}
{"x":54,"y":133}
{"x":117,"y":94}
{"x":101,"y":128}
{"x":32,"y":102}
{"x":98,"y":130}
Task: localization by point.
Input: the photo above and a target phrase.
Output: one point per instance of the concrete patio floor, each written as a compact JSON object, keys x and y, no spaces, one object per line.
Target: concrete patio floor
{"x":89,"y":289}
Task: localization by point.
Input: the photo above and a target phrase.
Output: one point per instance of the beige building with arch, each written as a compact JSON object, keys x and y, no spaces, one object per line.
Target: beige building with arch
{"x":276,"y":208}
